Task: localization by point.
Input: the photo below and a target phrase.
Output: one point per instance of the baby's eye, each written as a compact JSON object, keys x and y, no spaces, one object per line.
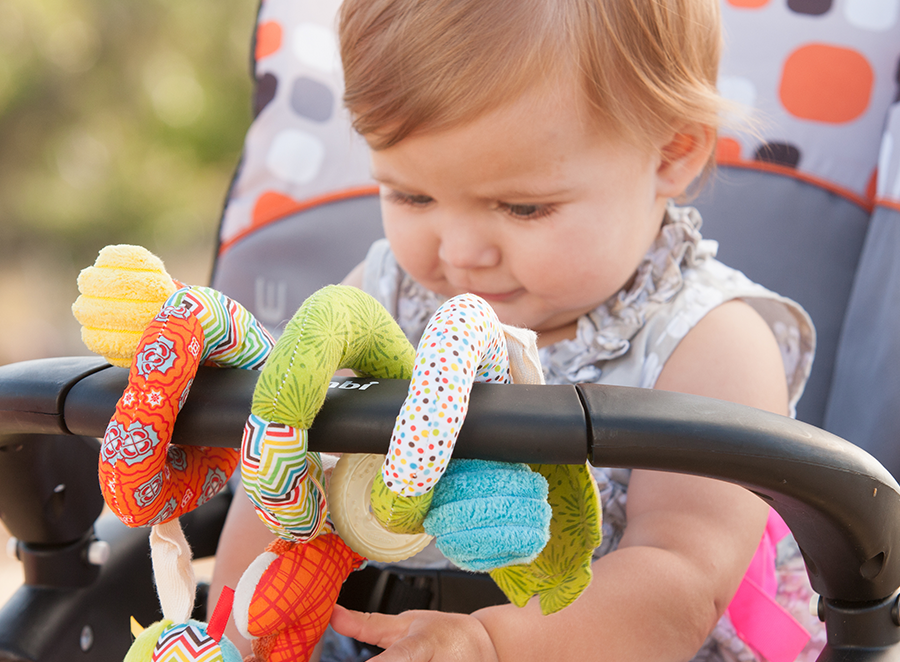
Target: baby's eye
{"x":527,"y":211}
{"x":409,"y":199}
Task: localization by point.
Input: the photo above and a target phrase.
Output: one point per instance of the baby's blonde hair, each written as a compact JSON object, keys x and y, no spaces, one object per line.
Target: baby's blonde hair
{"x":647,"y":66}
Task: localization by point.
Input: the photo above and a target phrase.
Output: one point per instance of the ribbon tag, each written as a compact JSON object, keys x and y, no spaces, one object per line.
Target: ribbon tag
{"x":172,"y":569}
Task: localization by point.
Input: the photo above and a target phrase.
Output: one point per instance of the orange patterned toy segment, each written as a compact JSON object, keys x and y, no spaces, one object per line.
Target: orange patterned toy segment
{"x":144,"y":479}
{"x":300,"y":587}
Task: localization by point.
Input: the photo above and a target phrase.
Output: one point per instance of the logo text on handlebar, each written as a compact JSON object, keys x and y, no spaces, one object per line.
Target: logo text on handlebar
{"x":349,"y":386}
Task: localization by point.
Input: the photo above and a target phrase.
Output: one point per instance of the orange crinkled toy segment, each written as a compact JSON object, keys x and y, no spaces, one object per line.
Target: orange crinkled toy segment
{"x":293,"y":600}
{"x":146,"y":480}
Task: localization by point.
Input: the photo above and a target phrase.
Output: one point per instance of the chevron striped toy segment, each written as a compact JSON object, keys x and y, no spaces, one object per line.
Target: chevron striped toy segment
{"x":184,"y":642}
{"x":233,"y":338}
{"x":165,"y":641}
{"x":282,"y":480}
{"x":336,"y":327}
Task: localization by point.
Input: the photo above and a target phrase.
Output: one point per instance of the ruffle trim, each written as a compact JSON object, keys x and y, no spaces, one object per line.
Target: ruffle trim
{"x":606,"y":332}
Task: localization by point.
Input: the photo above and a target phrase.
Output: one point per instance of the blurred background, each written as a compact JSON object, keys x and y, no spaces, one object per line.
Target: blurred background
{"x":120,"y":122}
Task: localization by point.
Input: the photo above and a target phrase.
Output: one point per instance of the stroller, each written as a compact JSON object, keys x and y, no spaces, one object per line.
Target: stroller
{"x":292,"y":197}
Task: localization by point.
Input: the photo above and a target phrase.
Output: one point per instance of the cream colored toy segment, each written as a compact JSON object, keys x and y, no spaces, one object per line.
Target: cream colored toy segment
{"x":348,"y":502}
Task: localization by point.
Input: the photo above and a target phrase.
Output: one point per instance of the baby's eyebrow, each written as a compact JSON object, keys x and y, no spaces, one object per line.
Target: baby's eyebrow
{"x":528,"y":193}
{"x":384,"y":178}
{"x":393,"y":184}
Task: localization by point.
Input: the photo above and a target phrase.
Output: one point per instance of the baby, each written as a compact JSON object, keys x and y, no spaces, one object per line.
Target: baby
{"x":529,"y":152}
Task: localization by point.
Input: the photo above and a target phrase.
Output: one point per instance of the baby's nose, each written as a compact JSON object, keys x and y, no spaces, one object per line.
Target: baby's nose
{"x":465,"y":247}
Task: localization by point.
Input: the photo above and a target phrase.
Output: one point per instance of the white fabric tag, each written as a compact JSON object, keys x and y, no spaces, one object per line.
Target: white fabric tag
{"x":175,"y":582}
{"x":524,"y":361}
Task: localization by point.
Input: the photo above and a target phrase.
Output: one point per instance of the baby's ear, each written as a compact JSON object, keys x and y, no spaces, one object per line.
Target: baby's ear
{"x":683,"y":157}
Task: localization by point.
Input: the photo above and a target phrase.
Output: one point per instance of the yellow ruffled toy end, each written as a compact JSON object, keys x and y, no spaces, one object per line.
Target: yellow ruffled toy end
{"x":120,"y":295}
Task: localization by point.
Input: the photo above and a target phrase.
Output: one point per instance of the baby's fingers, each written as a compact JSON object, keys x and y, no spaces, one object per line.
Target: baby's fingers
{"x":380,"y":630}
{"x":418,"y":636}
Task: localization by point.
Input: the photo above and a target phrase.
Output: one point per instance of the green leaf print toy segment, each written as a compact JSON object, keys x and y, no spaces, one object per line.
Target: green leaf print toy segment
{"x":562,"y":571}
{"x":337,"y":327}
{"x":397,"y":513}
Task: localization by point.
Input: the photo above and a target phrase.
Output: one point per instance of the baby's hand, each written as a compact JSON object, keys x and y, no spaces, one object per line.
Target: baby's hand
{"x":418,"y":636}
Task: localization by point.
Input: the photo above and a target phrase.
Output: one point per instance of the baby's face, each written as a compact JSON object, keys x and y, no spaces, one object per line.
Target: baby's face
{"x":530,"y":207}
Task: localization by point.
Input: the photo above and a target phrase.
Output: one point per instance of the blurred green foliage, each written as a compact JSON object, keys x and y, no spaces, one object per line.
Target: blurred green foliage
{"x":121,"y":121}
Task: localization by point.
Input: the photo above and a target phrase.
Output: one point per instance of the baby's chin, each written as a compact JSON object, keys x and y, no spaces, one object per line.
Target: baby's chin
{"x":548,"y":333}
{"x":512,"y":309}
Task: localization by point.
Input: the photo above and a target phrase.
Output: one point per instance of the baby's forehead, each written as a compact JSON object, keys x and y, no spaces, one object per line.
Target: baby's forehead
{"x":539,"y":111}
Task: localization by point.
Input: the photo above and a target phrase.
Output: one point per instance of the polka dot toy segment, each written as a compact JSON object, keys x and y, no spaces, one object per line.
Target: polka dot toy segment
{"x":463,"y":343}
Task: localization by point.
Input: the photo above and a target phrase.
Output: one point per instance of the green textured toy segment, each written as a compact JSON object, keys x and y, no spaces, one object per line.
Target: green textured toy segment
{"x":398,"y":513}
{"x":337,"y":327}
{"x":562,"y":571}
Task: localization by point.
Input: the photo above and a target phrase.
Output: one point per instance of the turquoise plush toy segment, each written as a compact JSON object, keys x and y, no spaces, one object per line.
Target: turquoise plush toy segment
{"x":487,"y":515}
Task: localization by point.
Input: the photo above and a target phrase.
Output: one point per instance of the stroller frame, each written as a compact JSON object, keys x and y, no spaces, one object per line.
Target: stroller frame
{"x":848,"y":536}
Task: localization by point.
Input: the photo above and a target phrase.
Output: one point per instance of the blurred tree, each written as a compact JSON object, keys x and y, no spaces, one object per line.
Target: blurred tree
{"x":120,"y":122}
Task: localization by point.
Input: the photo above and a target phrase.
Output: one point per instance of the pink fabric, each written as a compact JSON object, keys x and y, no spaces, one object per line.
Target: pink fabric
{"x":758,"y":619}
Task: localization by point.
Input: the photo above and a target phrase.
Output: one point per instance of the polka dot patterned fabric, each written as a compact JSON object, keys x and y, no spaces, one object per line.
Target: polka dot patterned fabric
{"x":462,"y":344}
{"x":300,"y":146}
{"x":821,"y":77}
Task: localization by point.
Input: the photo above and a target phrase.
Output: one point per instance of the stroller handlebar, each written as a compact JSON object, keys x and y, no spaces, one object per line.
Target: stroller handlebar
{"x":842,"y":506}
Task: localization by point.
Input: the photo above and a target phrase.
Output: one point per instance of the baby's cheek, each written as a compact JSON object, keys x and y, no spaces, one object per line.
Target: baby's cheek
{"x":416,"y":251}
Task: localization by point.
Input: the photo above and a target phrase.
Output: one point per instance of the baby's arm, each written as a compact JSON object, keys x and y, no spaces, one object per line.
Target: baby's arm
{"x":355,"y":277}
{"x":687,"y":545}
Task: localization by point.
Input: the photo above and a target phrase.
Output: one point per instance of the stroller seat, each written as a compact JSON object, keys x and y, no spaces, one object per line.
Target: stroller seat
{"x":810,"y":209}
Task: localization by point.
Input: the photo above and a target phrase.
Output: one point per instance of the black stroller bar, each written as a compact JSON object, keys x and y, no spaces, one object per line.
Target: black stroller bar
{"x":841,"y":505}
